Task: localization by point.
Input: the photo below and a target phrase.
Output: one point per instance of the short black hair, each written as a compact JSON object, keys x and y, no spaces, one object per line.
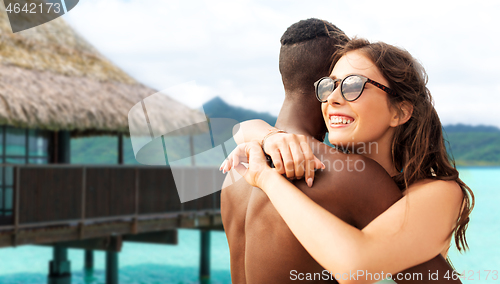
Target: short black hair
{"x":306,"y":54}
{"x":309,"y":29}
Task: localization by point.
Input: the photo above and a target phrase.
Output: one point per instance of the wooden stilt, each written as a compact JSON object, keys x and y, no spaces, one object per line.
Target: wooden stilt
{"x":59,"y":267}
{"x":205,"y":256}
{"x":88,"y":267}
{"x":120,"y":149}
{"x":111,"y":267}
{"x":89,"y":259}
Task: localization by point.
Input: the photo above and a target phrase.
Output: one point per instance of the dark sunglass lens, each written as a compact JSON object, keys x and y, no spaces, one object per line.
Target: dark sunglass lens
{"x":352,"y":87}
{"x":325,"y":88}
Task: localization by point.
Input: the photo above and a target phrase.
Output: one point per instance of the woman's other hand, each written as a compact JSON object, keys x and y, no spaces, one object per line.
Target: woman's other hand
{"x":292,"y":156}
{"x":249,"y":153}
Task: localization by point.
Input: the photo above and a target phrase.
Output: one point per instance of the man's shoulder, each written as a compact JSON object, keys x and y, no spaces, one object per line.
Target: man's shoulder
{"x":355,"y":175}
{"x":235,"y":197}
{"x":357,"y":184}
{"x":347,"y":167}
{"x":234,"y":185}
{"x":235,"y":194}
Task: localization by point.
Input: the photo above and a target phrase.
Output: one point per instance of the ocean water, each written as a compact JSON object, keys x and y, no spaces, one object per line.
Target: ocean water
{"x":151,"y":264}
{"x":138,"y":263}
{"x":483,"y":233}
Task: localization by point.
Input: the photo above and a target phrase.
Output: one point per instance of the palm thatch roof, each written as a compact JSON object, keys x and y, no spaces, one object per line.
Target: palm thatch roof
{"x":51,"y":78}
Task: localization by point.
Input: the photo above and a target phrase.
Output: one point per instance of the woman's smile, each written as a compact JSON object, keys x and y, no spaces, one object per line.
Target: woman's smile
{"x":340,"y":120}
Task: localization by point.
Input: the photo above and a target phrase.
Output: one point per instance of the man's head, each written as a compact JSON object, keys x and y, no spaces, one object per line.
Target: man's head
{"x":307,"y":49}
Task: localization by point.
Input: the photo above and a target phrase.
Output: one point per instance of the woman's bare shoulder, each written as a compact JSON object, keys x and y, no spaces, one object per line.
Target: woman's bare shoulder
{"x":448,"y":190}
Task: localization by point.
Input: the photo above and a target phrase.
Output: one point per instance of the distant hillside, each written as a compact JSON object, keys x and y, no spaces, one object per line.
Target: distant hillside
{"x":473,"y":145}
{"x":457,"y":128}
{"x":469,"y":145}
{"x":216,"y":107}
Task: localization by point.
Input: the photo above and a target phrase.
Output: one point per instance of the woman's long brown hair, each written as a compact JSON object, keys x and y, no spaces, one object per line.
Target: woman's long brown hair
{"x":418,"y":146}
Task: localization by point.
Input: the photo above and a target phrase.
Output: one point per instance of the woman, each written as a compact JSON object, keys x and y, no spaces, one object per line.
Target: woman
{"x":376,"y":101}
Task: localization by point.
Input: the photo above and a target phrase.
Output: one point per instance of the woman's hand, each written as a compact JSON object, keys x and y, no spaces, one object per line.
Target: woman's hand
{"x":292,"y":155}
{"x":249,"y":153}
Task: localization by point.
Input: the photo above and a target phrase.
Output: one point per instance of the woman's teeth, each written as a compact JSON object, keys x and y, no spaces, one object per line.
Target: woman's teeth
{"x":339,"y":120}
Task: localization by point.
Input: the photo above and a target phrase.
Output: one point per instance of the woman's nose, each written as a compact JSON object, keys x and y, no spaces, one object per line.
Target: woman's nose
{"x":335,"y":97}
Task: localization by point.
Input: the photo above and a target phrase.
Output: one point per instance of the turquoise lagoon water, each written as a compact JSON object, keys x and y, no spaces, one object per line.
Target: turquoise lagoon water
{"x":138,"y":263}
{"x":148,"y":264}
{"x":483,"y":233}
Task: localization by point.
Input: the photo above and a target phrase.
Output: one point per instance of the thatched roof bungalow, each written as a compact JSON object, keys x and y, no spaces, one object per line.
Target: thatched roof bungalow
{"x":52,"y":79}
{"x":53,"y":85}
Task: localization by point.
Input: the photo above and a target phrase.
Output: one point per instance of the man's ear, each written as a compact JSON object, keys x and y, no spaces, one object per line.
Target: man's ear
{"x":403,"y":115}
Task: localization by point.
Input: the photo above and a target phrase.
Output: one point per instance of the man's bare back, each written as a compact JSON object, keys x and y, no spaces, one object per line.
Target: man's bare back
{"x":262,"y":247}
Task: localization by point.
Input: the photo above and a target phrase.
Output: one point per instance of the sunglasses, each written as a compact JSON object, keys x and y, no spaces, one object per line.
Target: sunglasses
{"x":351,"y":87}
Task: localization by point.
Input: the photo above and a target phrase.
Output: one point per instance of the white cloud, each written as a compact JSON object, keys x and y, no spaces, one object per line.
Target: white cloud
{"x":230,"y":48}
{"x":465,"y":103}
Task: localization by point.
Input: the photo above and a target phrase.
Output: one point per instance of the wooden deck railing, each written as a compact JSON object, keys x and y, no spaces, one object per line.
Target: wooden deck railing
{"x":47,"y":195}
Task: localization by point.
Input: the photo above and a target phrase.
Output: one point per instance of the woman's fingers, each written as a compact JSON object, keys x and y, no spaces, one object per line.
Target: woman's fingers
{"x":288,"y":163}
{"x":227,"y":164}
{"x":222,"y":165}
{"x":285,"y":154}
{"x":234,"y":158}
{"x":277,"y":161}
{"x":235,"y":161}
{"x":257,"y":162}
{"x":298,"y":160}
{"x":318,"y":164}
{"x":273,"y":147}
{"x":311,"y":162}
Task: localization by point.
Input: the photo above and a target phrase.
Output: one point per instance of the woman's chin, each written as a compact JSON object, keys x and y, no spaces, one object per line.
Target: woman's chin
{"x":340,"y":140}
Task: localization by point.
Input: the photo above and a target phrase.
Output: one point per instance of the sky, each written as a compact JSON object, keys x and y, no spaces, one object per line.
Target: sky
{"x":230,"y":48}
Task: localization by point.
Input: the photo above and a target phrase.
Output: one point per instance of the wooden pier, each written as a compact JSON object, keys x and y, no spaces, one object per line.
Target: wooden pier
{"x":99,"y":207}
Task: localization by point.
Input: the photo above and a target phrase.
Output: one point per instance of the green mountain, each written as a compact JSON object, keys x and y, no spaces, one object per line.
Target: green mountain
{"x":216,"y":107}
{"x":469,"y":145}
{"x":473,"y":145}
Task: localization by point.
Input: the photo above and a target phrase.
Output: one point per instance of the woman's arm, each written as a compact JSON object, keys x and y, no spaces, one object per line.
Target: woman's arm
{"x":291,"y":154}
{"x":251,"y":130}
{"x":412,"y":231}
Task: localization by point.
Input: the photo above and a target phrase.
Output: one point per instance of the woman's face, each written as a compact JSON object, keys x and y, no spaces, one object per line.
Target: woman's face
{"x":371,"y":118}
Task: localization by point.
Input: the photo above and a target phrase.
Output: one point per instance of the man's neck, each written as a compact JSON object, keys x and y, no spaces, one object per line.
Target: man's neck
{"x":294,"y":118}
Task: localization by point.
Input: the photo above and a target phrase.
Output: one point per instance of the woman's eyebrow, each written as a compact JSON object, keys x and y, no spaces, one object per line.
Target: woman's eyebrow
{"x":350,"y":74}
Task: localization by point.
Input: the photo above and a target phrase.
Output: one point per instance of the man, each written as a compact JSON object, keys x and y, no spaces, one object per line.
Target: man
{"x":353,"y":187}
